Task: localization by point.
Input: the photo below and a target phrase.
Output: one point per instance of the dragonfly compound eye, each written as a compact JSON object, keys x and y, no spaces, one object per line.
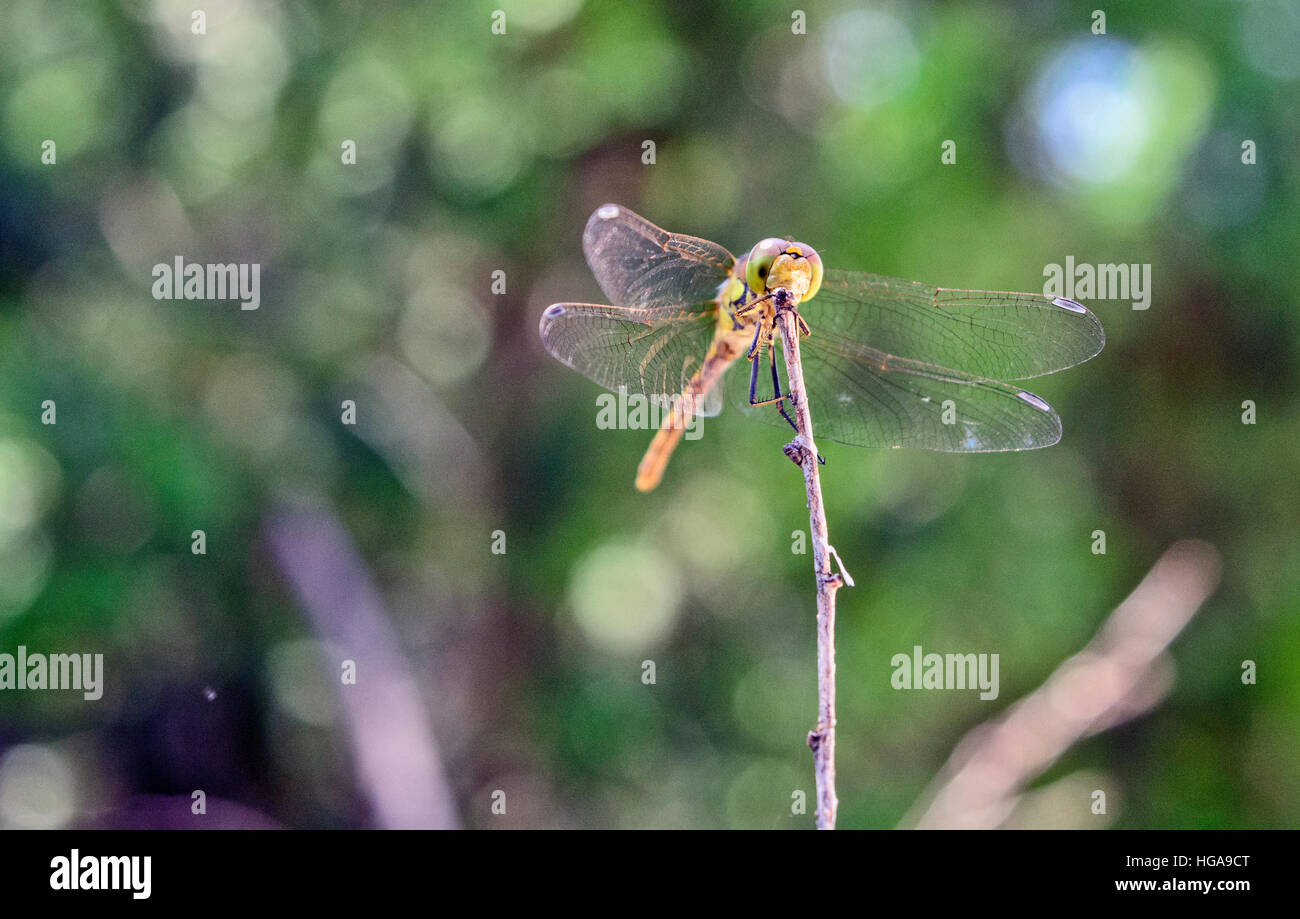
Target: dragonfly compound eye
{"x":814,"y":260}
{"x":761,"y":258}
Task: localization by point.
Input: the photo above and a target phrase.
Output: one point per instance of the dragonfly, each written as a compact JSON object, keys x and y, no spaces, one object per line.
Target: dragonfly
{"x":886,"y":362}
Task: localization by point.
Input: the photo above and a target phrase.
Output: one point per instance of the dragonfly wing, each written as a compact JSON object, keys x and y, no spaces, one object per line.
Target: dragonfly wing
{"x":989,"y":334}
{"x":650,"y":351}
{"x":639,"y":265}
{"x":865,"y":397}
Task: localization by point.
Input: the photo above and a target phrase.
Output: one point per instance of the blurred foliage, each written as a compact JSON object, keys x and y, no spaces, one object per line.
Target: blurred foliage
{"x":478,"y":152}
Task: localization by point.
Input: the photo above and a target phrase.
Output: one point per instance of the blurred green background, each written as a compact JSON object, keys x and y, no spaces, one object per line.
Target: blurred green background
{"x":479,"y":151}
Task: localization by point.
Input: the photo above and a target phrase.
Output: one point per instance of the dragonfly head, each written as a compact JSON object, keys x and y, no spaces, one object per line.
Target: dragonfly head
{"x":777,"y":262}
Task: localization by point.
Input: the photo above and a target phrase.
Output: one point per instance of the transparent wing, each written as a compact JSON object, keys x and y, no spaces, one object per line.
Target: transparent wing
{"x":652,"y":352}
{"x":865,"y":397}
{"x":639,"y":265}
{"x":990,"y":334}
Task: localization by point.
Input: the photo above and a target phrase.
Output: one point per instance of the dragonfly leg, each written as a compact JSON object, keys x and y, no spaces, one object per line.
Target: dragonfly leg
{"x":789,"y":419}
{"x":758,"y":327}
{"x":787,"y":307}
{"x":777,"y":395}
{"x":738,"y":308}
{"x":776,"y":384}
{"x":747,"y":308}
{"x":776,"y":380}
{"x":779,"y":398}
{"x":771,"y":359}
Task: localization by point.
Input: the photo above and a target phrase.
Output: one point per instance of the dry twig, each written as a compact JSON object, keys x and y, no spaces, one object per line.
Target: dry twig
{"x":803,"y":451}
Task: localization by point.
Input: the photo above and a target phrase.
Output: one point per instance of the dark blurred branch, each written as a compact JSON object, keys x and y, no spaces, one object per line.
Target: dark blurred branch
{"x":1115,"y":677}
{"x":397,"y":757}
{"x":803,"y":451}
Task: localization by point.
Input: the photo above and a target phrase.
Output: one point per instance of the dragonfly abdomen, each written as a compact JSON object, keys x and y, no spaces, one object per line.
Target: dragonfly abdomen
{"x":722,"y":353}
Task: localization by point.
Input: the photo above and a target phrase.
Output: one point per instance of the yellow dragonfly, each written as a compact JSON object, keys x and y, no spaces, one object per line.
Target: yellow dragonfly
{"x":887,"y":362}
